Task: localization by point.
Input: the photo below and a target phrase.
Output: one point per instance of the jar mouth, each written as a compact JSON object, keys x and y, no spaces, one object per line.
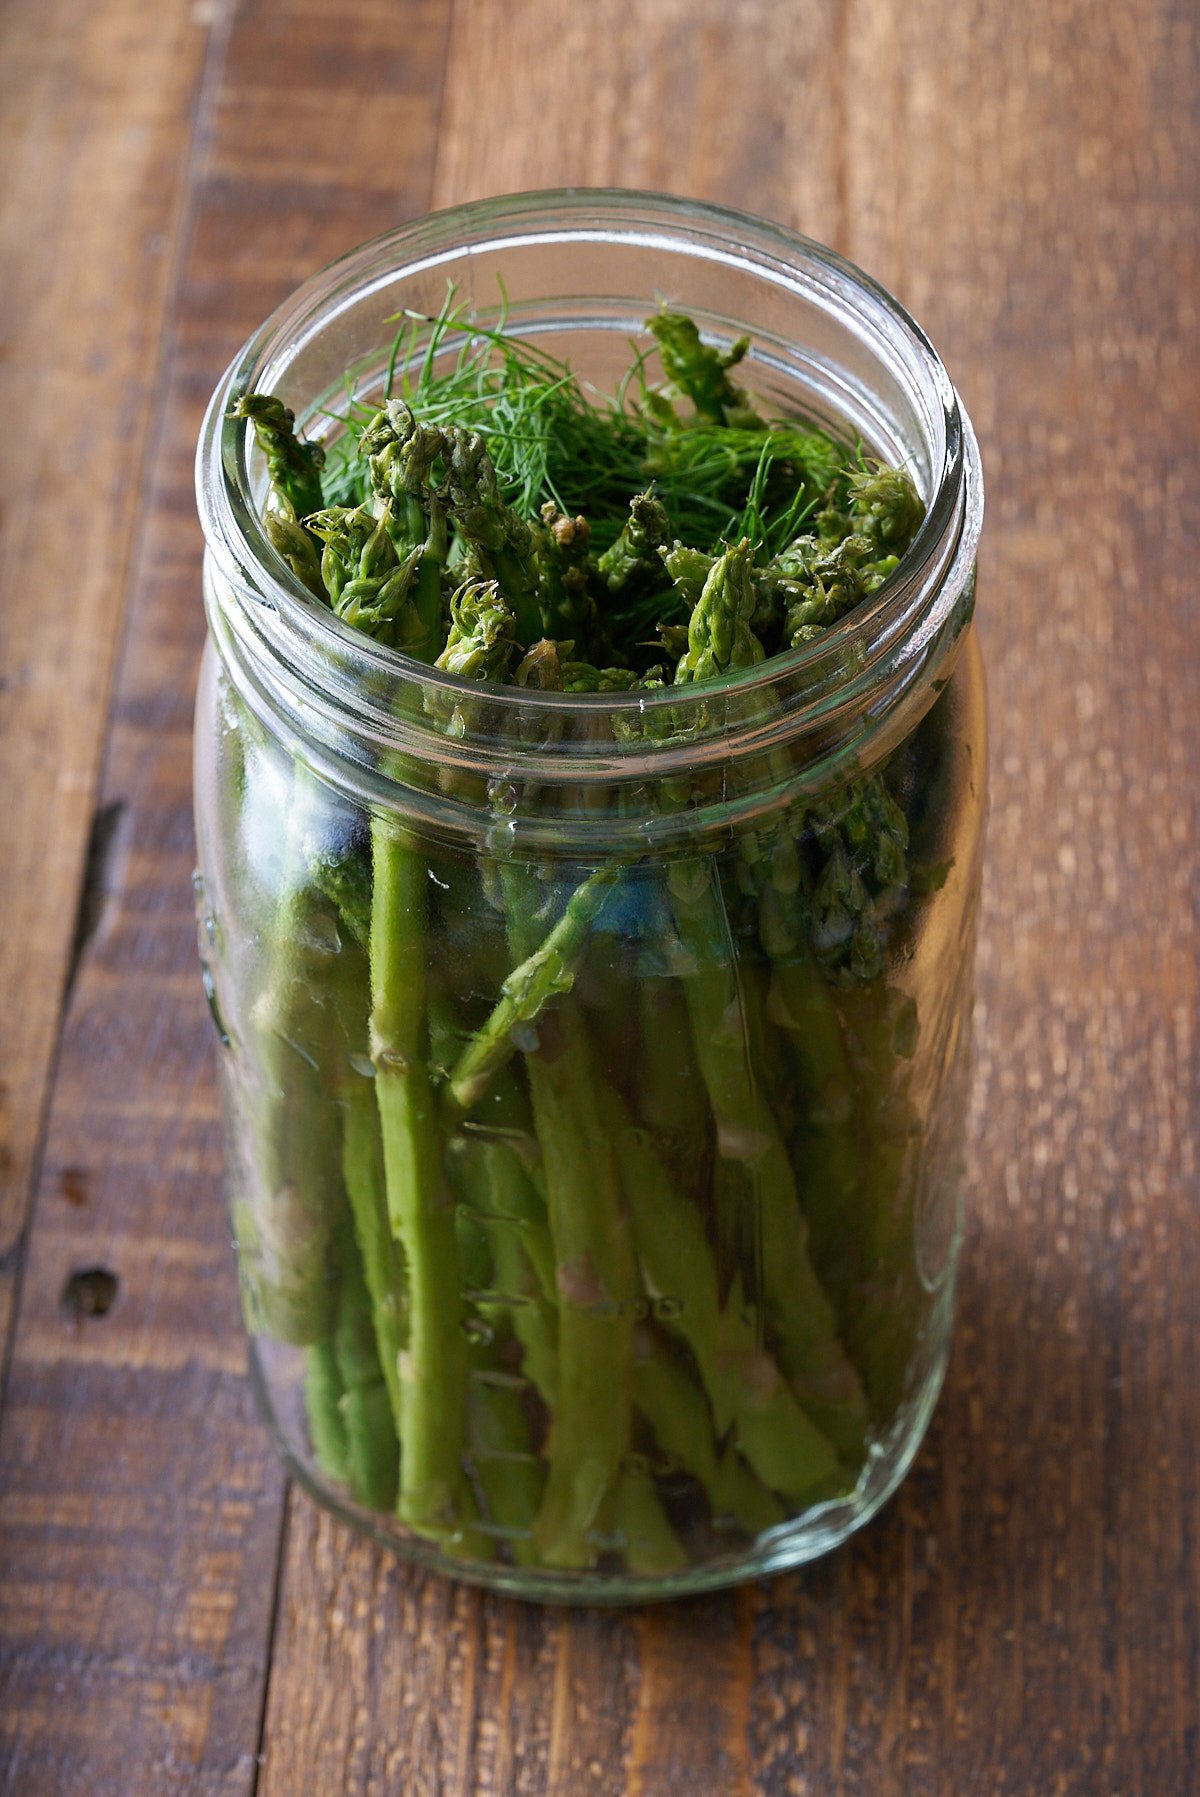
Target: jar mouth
{"x":842,"y":685}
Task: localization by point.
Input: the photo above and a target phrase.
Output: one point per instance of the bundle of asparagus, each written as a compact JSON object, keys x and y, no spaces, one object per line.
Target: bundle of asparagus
{"x":587,"y":1192}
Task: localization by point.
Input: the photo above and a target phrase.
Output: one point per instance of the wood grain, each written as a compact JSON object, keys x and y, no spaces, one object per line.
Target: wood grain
{"x":392,"y":1680}
{"x":97,"y":115}
{"x":669,"y":96}
{"x":681,"y":1747}
{"x":140,"y":1502}
{"x":1025,"y":1617}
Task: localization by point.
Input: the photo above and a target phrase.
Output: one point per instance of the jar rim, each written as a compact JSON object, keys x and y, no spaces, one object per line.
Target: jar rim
{"x":338,"y":668}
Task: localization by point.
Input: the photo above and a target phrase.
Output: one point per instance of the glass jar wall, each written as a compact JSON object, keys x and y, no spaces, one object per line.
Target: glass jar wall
{"x":594,"y":1066}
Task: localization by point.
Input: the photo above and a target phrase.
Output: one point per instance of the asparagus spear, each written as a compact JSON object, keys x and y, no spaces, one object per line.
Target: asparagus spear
{"x":719,"y":633}
{"x":548,"y":971}
{"x":699,"y":373}
{"x":501,"y":1448}
{"x":674,"y":1407}
{"x":287,"y":1211}
{"x":365,"y":578}
{"x":634,"y":556}
{"x":562,"y":548}
{"x":886,"y":507}
{"x":310,"y":1018}
{"x":383,"y":1274}
{"x":434,"y":1495}
{"x":337,"y":858}
{"x":641,"y":1527}
{"x":493,"y":1179}
{"x":298,"y":550}
{"x":323,"y":1402}
{"x":745,"y":1388}
{"x":447,"y":471}
{"x":512,"y":1299}
{"x":720,"y":638}
{"x":289,"y":1206}
{"x":367,"y":585}
{"x":595,"y":1271}
{"x":668,"y":1090}
{"x":348,"y":1403}
{"x":371,"y":1452}
{"x":294,"y":468}
{"x":596,"y":1274}
{"x":596,"y":1281}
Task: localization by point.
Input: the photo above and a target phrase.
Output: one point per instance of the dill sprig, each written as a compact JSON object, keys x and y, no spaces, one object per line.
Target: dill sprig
{"x":551,"y":440}
{"x":500,"y":442}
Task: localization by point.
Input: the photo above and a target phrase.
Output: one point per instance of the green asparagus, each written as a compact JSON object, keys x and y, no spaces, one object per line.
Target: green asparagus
{"x":587,"y":1190}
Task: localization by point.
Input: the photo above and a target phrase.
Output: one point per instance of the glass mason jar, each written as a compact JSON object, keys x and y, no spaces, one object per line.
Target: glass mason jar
{"x":594,"y":1067}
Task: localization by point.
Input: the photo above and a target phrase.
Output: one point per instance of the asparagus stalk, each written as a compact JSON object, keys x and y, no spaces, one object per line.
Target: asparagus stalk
{"x":744,"y":1386}
{"x":801,"y":1316}
{"x":715,"y":984}
{"x":434,"y":1495}
{"x":383,"y":1272}
{"x":385,"y":595}
{"x":517,"y":1295}
{"x":293,"y":468}
{"x":668,"y":1090}
{"x":856,"y":1138}
{"x":338,"y":864}
{"x":674,"y":1407}
{"x":501,"y":1448}
{"x":310,"y":1017}
{"x":719,"y":633}
{"x":289,"y":1208}
{"x":370,"y":1435}
{"x":595,"y":1271}
{"x":787,"y":1451}
{"x":349,"y":1412}
{"x":323,"y":1401}
{"x":545,"y":973}
{"x":642,"y":1529}
{"x":298,"y":550}
{"x":499,"y":1451}
{"x":566,"y":606}
{"x":634,"y":559}
{"x":597,"y":1283}
{"x":513,"y":1300}
{"x":698,"y":372}
{"x":401,"y":455}
{"x":585,"y":1375}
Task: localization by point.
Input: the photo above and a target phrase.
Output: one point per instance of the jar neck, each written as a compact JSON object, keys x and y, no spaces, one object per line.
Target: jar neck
{"x":611,"y":770}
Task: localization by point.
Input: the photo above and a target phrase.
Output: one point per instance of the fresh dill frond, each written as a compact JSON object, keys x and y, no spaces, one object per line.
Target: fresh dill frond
{"x":550,"y":440}
{"x":694,"y":449}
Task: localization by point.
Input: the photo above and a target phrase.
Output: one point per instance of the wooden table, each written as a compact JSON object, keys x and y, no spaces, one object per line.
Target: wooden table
{"x":1025,"y":1617}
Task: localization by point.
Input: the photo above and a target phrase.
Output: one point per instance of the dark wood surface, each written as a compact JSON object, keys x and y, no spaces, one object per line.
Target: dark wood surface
{"x":1025,"y":1616}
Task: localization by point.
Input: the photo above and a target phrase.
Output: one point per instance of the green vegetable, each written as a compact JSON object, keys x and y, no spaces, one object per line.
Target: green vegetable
{"x":294,"y":467}
{"x":587,"y":1192}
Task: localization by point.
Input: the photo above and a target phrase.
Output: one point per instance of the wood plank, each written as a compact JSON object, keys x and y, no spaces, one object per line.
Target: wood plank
{"x":140,"y":1500}
{"x":94,"y":133}
{"x":670,"y":97}
{"x":681,"y":1747}
{"x":385,"y":1678}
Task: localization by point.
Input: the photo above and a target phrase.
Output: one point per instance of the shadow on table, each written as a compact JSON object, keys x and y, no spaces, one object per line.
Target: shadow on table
{"x":965,"y":1595}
